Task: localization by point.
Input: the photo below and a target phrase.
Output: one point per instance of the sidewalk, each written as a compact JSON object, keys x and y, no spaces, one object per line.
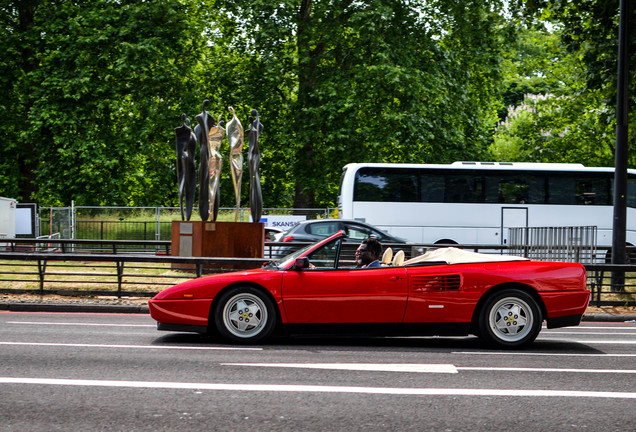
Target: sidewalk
{"x":138,"y":305}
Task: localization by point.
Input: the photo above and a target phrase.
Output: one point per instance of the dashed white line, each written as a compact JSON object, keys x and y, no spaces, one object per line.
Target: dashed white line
{"x":367,"y":367}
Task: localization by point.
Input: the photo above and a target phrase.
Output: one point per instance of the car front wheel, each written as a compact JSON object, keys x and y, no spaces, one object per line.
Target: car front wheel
{"x":510,"y":319}
{"x":244,"y":315}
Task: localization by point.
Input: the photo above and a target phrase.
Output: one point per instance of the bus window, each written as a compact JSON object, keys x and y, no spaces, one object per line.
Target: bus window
{"x":386,"y":185}
{"x":401,"y":187}
{"x":368,"y":187}
{"x":631,"y":192}
{"x":513,"y":191}
{"x":593,"y":191}
{"x":536,"y":189}
{"x":561,"y":190}
{"x":432,"y":185}
{"x":464,"y":189}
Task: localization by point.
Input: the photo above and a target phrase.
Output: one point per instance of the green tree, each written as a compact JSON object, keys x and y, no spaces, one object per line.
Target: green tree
{"x":536,"y":63}
{"x":98,"y":90}
{"x":577,"y":121}
{"x":17,"y":156}
{"x":98,"y":85}
{"x":547,"y":128}
{"x":363,"y":81}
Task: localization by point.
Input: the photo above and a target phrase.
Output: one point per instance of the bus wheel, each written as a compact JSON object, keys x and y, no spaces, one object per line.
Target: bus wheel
{"x":630,"y":256}
{"x":446,"y":241}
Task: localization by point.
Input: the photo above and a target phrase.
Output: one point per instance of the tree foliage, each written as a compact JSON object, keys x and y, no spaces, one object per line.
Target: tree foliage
{"x":574,"y":120}
{"x":94,"y":89}
{"x":397,"y":81}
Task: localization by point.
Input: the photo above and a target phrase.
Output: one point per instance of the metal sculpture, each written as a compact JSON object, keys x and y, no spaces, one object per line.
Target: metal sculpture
{"x":235,"y":138}
{"x":186,"y":143}
{"x":254,"y":162}
{"x":202,"y":132}
{"x":215,"y":162}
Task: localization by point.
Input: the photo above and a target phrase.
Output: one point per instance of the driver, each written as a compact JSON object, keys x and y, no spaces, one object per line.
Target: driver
{"x":368,"y":253}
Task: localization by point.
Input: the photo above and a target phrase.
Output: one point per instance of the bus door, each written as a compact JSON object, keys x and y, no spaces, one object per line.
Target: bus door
{"x":512,"y":217}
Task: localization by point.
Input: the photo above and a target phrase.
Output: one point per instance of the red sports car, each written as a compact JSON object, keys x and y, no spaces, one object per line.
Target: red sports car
{"x":316,"y":291}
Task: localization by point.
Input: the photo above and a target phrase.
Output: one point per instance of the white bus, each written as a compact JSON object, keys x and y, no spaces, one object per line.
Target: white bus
{"x":475,"y":203}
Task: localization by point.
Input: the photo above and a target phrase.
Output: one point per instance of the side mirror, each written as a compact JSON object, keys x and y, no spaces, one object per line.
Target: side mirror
{"x":301,"y":263}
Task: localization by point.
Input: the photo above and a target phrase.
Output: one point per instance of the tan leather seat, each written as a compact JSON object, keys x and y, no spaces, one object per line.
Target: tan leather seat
{"x":398,"y":259}
{"x":387,"y":256}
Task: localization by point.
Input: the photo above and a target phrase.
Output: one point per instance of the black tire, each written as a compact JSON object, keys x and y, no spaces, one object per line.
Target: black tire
{"x":510,"y":319}
{"x":244,"y":315}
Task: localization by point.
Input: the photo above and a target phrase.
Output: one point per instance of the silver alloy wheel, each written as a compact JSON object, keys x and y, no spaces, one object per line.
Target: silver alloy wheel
{"x":511,"y":319}
{"x":245,"y":315}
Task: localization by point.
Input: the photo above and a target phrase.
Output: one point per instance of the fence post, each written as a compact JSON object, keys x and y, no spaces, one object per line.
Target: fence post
{"x":157,"y":224}
{"x":41,"y":271}
{"x":120,"y":276}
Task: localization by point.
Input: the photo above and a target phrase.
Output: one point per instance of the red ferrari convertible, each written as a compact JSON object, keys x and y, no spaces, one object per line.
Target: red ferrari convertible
{"x":315,"y":291}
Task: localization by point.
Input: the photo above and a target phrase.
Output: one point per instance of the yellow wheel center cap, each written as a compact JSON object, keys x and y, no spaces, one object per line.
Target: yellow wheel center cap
{"x":244,"y":314}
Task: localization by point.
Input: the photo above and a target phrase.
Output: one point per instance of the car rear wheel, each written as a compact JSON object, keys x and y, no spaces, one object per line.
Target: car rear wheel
{"x":244,"y":315}
{"x":510,"y":319}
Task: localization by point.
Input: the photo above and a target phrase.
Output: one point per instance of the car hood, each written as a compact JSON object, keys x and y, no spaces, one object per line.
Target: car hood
{"x":207,"y":287}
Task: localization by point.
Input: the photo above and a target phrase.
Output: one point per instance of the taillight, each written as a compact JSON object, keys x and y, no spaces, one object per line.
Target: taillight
{"x":287,"y":239}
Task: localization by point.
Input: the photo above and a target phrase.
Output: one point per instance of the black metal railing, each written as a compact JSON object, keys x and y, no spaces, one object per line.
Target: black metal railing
{"x":116,"y":270}
{"x":86,"y":246}
{"x":56,"y":264}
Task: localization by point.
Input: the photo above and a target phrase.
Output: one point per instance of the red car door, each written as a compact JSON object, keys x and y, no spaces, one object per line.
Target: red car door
{"x":345,"y":296}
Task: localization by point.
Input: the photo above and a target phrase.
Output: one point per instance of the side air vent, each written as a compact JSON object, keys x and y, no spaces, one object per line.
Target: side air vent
{"x":436,"y":283}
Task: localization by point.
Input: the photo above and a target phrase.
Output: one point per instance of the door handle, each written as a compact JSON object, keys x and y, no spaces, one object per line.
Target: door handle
{"x":395,"y":278}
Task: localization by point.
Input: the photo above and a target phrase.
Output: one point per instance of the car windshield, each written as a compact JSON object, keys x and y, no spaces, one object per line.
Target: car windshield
{"x":288,"y":259}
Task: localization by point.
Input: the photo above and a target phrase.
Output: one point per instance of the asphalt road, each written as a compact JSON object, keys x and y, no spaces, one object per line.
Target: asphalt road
{"x":92,"y":372}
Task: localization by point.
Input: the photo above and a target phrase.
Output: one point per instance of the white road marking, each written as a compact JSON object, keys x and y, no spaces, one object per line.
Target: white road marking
{"x":377,"y":367}
{"x":600,"y":328}
{"x":590,"y":342}
{"x":515,"y":369}
{"x":131,"y":346}
{"x":321,"y":389}
{"x":420,"y":368}
{"x":79,"y":324}
{"x":512,"y":353}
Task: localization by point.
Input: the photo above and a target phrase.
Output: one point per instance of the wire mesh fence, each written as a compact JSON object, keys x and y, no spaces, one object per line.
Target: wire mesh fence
{"x":140,"y":223}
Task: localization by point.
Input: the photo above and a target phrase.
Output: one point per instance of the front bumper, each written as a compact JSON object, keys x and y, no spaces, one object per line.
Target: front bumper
{"x":188,"y":312}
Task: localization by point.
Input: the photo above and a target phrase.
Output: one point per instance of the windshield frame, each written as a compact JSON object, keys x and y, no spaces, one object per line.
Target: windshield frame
{"x":288,"y":261}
